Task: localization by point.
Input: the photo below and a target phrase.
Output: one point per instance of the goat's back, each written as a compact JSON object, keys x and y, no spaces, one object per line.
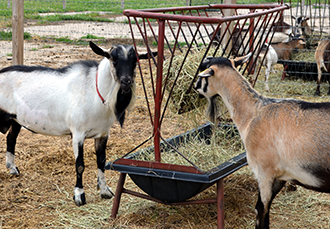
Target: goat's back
{"x":300,"y":127}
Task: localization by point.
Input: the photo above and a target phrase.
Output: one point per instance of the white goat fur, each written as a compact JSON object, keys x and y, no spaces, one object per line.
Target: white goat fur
{"x":269,"y":61}
{"x":66,"y":101}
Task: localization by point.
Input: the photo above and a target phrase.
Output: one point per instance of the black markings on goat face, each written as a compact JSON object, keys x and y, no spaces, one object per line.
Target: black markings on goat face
{"x":202,"y":83}
{"x":124,"y":60}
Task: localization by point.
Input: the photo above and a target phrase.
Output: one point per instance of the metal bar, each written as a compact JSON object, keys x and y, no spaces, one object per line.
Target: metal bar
{"x":157,"y":165}
{"x":188,"y":202}
{"x":141,"y":73}
{"x":158,"y":96}
{"x":213,"y":6}
{"x":175,"y":17}
{"x":184,"y":157}
{"x":119,"y":191}
{"x":220,"y":205}
{"x":207,"y":50}
{"x":179,"y":71}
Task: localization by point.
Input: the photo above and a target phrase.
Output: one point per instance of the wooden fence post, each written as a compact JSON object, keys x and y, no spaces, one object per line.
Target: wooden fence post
{"x":17,"y":31}
{"x":228,"y":13}
{"x":122,"y":4}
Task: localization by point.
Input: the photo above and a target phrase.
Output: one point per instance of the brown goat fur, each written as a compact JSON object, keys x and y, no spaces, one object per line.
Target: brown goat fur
{"x":322,"y":57}
{"x":285,"y":139}
{"x":284,"y":50}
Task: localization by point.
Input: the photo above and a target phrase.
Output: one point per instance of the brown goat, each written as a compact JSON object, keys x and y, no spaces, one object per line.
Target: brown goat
{"x":322,"y":57}
{"x":284,"y":50}
{"x":285,"y":139}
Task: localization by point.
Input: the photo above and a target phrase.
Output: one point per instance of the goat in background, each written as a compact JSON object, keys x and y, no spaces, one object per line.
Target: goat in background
{"x":285,"y":139}
{"x":277,"y":52}
{"x":322,"y":57}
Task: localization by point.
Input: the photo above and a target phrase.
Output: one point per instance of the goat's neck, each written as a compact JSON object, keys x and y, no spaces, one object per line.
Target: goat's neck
{"x":107,"y":82}
{"x":240,"y":98}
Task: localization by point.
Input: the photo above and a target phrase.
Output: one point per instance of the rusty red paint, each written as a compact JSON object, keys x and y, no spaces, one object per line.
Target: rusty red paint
{"x":157,"y":165}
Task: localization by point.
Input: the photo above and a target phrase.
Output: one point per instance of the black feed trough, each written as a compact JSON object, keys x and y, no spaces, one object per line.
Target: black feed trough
{"x":302,"y":70}
{"x":177,"y":186}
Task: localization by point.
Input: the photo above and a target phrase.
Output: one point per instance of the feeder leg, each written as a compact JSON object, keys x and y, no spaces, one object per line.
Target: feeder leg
{"x":220,"y":205}
{"x":284,"y":72}
{"x":119,"y":191}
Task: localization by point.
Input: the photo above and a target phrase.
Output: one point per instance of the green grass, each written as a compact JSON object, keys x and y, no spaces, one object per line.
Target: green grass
{"x":91,"y":36}
{"x":33,"y":8}
{"x":8,"y":35}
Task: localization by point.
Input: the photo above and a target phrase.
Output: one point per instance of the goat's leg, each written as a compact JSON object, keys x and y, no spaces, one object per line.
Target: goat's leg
{"x":100,"y":148}
{"x":268,"y":69}
{"x":78,"y":149}
{"x":319,"y":75}
{"x":11,"y":143}
{"x":267,"y":192}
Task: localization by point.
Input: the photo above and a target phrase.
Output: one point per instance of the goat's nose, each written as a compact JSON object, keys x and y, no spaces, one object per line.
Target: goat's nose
{"x":126,"y":81}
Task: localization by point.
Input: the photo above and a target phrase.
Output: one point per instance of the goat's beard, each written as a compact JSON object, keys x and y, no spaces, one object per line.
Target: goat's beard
{"x":126,"y":90}
{"x":212,"y":109}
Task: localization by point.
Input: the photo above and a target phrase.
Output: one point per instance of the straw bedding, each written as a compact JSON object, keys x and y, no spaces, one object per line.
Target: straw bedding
{"x":42,"y":195}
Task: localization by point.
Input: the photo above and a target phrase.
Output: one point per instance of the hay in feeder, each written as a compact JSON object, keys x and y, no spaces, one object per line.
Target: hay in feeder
{"x":181,"y":100}
{"x":307,"y":55}
{"x":206,"y":154}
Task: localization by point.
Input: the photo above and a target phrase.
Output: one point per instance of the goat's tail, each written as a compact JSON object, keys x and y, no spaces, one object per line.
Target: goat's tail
{"x":212,"y":109}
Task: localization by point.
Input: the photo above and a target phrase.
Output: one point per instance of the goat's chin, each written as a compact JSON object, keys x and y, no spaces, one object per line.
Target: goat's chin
{"x":125,"y":89}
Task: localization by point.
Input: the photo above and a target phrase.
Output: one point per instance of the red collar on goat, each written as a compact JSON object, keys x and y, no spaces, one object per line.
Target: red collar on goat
{"x":97,"y":88}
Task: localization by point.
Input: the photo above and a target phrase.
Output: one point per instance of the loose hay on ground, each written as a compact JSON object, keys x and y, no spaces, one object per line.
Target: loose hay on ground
{"x":40,"y":199}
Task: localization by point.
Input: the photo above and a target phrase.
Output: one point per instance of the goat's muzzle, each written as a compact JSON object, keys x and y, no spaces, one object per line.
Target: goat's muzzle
{"x":126,"y":84}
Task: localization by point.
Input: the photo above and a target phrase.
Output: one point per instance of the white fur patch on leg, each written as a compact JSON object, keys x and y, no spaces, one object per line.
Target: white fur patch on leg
{"x":79,"y":196}
{"x":105,"y":190}
{"x":10,"y":164}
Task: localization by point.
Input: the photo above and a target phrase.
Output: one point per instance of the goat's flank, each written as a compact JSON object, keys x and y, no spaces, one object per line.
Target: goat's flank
{"x":284,"y":49}
{"x":285,"y":139}
{"x":82,"y":99}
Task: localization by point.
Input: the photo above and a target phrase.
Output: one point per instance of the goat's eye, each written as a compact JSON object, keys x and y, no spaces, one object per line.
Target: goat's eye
{"x":114,"y":63}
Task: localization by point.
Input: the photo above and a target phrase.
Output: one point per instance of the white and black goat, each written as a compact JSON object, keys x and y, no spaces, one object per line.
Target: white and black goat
{"x":82,"y":100}
{"x":322,"y":57}
{"x":285,"y":139}
{"x":302,"y":24}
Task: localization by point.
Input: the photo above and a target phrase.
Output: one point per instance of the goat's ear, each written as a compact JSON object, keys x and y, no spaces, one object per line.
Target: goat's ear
{"x":293,"y":17}
{"x":205,"y":63}
{"x":98,"y":50}
{"x":145,"y":56}
{"x":206,"y":73}
{"x":242,"y":59}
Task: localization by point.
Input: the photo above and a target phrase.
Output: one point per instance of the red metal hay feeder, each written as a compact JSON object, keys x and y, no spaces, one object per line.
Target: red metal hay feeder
{"x":218,"y":30}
